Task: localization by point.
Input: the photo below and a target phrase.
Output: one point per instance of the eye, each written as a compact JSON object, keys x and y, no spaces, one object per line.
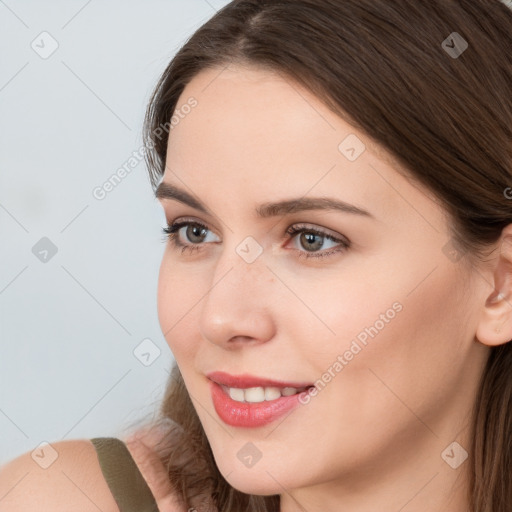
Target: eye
{"x":194,"y":230}
{"x":311,"y":238}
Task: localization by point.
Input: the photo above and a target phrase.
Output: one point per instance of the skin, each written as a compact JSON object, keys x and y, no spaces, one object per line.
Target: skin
{"x":372,"y":439}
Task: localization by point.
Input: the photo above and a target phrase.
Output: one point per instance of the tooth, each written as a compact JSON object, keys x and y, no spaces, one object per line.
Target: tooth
{"x":272,"y":393}
{"x":254,"y":395}
{"x":236,"y":394}
{"x":289,"y":391}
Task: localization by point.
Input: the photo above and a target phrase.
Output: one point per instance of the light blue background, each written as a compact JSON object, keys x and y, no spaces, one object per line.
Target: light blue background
{"x":69,"y":326}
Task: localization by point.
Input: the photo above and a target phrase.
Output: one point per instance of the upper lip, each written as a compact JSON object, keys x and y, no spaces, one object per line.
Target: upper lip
{"x":251,"y":381}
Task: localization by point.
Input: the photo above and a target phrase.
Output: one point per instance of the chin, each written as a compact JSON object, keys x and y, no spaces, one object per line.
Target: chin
{"x":264,"y":478}
{"x":250,"y":483}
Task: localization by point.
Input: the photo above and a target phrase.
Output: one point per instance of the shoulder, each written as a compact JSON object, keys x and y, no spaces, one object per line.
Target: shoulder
{"x":72,"y":482}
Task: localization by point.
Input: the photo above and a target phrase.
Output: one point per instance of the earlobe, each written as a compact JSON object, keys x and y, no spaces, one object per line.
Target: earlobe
{"x":495,"y":325}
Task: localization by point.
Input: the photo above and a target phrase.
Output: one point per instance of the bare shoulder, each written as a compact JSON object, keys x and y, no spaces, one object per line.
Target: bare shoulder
{"x":72,"y":482}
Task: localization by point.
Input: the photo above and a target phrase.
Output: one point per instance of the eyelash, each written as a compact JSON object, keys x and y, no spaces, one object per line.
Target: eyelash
{"x":171,"y":232}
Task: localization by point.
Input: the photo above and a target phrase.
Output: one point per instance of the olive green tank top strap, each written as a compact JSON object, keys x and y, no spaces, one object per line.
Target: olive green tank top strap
{"x":130,"y":490}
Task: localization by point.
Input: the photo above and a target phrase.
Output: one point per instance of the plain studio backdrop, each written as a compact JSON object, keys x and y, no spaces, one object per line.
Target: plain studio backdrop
{"x":82,"y":353}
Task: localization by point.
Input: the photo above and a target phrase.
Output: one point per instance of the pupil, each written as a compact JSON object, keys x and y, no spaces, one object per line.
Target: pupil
{"x":196,"y":230}
{"x":310,"y":239}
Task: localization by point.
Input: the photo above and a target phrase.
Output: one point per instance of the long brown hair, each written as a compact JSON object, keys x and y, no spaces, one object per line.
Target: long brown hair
{"x":385,"y":67}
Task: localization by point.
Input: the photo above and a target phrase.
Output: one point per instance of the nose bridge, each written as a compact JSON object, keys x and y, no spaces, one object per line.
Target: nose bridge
{"x":241,"y":276}
{"x":243,"y":262}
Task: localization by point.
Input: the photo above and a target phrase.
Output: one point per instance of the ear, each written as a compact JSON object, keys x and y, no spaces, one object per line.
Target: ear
{"x":495,"y":325}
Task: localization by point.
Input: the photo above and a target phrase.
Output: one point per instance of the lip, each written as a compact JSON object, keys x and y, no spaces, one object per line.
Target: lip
{"x":248,"y":414}
{"x":250,"y":381}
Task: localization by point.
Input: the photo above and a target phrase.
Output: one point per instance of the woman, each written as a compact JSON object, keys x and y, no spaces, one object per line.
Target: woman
{"x":346,"y":346}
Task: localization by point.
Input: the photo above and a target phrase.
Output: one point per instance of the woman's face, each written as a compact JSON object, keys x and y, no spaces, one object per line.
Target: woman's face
{"x":383,"y":325}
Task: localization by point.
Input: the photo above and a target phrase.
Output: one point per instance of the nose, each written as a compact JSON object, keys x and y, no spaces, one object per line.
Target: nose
{"x":238,"y":308}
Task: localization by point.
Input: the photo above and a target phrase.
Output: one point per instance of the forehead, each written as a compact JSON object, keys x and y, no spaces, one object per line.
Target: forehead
{"x":254,"y":112}
{"x":256,"y":135}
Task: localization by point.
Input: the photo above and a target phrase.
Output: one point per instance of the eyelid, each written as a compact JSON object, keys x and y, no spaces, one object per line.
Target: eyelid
{"x":190,"y":220}
{"x":326,"y":232}
{"x":295,"y":225}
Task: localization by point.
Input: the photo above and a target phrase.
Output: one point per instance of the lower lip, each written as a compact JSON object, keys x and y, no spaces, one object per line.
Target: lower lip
{"x":246,"y":414}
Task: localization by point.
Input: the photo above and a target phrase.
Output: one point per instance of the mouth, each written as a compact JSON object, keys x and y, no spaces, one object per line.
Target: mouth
{"x":248,"y":401}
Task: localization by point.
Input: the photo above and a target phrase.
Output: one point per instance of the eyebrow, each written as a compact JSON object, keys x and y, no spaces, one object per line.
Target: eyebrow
{"x":265,"y":210}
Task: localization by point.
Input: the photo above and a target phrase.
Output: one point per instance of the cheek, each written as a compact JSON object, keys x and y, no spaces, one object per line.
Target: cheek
{"x":164,"y":299}
{"x":403,"y":343}
{"x":176,"y":300}
{"x":386,"y":386}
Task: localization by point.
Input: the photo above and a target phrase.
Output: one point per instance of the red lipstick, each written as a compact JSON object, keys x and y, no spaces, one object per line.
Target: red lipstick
{"x":251,"y":414}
